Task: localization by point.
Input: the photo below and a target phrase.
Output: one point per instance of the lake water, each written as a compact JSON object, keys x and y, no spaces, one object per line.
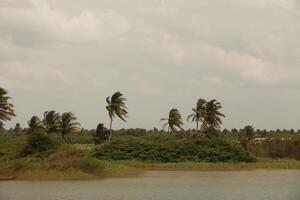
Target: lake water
{"x":165,"y":185}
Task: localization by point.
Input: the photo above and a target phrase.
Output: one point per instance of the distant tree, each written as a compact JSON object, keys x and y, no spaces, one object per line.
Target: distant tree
{"x":212,"y":117}
{"x":68,"y":125}
{"x":198,"y":113}
{"x":249,"y":132}
{"x":225,"y":131}
{"x":18,"y":128}
{"x":52,"y":121}
{"x":116,"y":107}
{"x":292,"y":131}
{"x":6,"y":108}
{"x":101,"y":135}
{"x":35,"y":123}
{"x":234,"y":131}
{"x":174,"y":121}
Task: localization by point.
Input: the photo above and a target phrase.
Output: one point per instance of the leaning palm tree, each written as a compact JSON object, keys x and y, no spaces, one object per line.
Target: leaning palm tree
{"x":116,"y":107}
{"x":52,"y":121}
{"x":198,"y":113}
{"x":6,"y":108}
{"x":68,"y":125}
{"x":212,"y":115}
{"x":174,"y":121}
{"x":35,"y":123}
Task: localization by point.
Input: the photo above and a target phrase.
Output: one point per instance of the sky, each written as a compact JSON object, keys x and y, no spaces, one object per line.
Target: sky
{"x":69,"y":55}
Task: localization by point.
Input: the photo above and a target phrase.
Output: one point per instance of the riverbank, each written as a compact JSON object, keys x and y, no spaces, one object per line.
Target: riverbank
{"x":129,"y":168}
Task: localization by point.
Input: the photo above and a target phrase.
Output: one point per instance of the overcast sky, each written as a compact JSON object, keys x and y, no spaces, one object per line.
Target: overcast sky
{"x":68,"y":55}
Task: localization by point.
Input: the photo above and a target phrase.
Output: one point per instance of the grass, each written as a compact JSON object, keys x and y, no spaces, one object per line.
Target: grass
{"x":78,"y":161}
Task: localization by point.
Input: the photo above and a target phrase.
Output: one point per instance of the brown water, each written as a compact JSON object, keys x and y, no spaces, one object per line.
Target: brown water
{"x":234,"y":185}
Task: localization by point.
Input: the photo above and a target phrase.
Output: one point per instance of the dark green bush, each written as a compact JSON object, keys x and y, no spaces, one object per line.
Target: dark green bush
{"x":183,"y":150}
{"x":37,"y":142}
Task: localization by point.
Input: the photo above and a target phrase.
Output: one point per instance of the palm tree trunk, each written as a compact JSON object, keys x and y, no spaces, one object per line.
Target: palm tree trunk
{"x":197,"y":127}
{"x":110,"y":131}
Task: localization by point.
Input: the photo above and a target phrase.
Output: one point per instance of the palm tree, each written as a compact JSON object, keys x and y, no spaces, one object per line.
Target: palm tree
{"x":174,"y":121}
{"x":116,"y":107}
{"x":212,"y":115}
{"x":68,"y":125}
{"x":198,"y":113}
{"x":6,"y":108}
{"x":52,"y":121}
{"x":35,"y":123}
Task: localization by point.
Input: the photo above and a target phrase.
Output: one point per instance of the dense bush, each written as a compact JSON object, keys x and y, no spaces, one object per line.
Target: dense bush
{"x":37,"y":142}
{"x":180,"y":150}
{"x":278,"y":148}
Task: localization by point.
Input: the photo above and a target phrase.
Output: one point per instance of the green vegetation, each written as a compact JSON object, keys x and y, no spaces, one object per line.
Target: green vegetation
{"x":57,"y":148}
{"x":116,"y":106}
{"x":172,"y":149}
{"x":6,"y":108}
{"x":173,"y":121}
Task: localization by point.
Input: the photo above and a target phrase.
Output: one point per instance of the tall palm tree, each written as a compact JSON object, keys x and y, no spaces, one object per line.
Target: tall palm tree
{"x":174,"y":121}
{"x":68,"y":125}
{"x":6,"y":108}
{"x":198,"y":113}
{"x":116,"y":107}
{"x":35,"y":123}
{"x":52,"y":121}
{"x":212,"y":116}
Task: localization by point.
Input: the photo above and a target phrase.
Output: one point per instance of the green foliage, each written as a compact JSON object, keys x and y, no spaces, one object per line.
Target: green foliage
{"x":212,"y":115}
{"x":35,"y":123}
{"x":37,"y":142}
{"x":52,"y":121}
{"x":68,"y":125}
{"x":116,"y":107}
{"x":198,"y":113}
{"x":6,"y":108}
{"x":180,"y":150}
{"x":174,"y":121}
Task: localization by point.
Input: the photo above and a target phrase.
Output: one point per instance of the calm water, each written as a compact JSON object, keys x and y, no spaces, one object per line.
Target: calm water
{"x":238,"y":185}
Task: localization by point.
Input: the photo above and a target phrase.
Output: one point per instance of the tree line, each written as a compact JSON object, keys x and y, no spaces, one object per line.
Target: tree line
{"x":206,"y":115}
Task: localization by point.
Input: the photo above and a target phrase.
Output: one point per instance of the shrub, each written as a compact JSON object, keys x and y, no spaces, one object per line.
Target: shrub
{"x":37,"y":142}
{"x":180,"y":150}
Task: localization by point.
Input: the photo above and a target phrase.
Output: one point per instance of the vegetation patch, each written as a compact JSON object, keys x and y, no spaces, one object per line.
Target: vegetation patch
{"x":196,"y":150}
{"x":37,"y":142}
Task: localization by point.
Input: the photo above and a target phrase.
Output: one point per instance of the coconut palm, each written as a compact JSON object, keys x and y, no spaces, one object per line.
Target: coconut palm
{"x":52,"y":121}
{"x":6,"y":108}
{"x":116,"y":107}
{"x":68,"y":125}
{"x":35,"y":123}
{"x":212,"y":115}
{"x":174,"y":121}
{"x":198,"y":113}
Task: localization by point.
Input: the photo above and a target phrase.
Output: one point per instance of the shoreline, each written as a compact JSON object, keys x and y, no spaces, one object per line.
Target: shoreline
{"x":136,"y":168}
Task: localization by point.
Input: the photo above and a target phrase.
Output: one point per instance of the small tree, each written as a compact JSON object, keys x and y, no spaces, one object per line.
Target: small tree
{"x":18,"y":128}
{"x":116,"y":107}
{"x":198,"y":113}
{"x":52,"y":121}
{"x":101,"y":134}
{"x":174,"y":121}
{"x":6,"y":108}
{"x":35,"y":123}
{"x":68,"y":125}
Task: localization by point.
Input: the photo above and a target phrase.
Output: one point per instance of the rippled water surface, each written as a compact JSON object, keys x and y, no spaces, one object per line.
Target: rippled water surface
{"x":234,"y":185}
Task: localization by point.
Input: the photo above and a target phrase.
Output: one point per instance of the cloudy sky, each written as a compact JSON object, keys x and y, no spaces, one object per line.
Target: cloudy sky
{"x":68,"y":55}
